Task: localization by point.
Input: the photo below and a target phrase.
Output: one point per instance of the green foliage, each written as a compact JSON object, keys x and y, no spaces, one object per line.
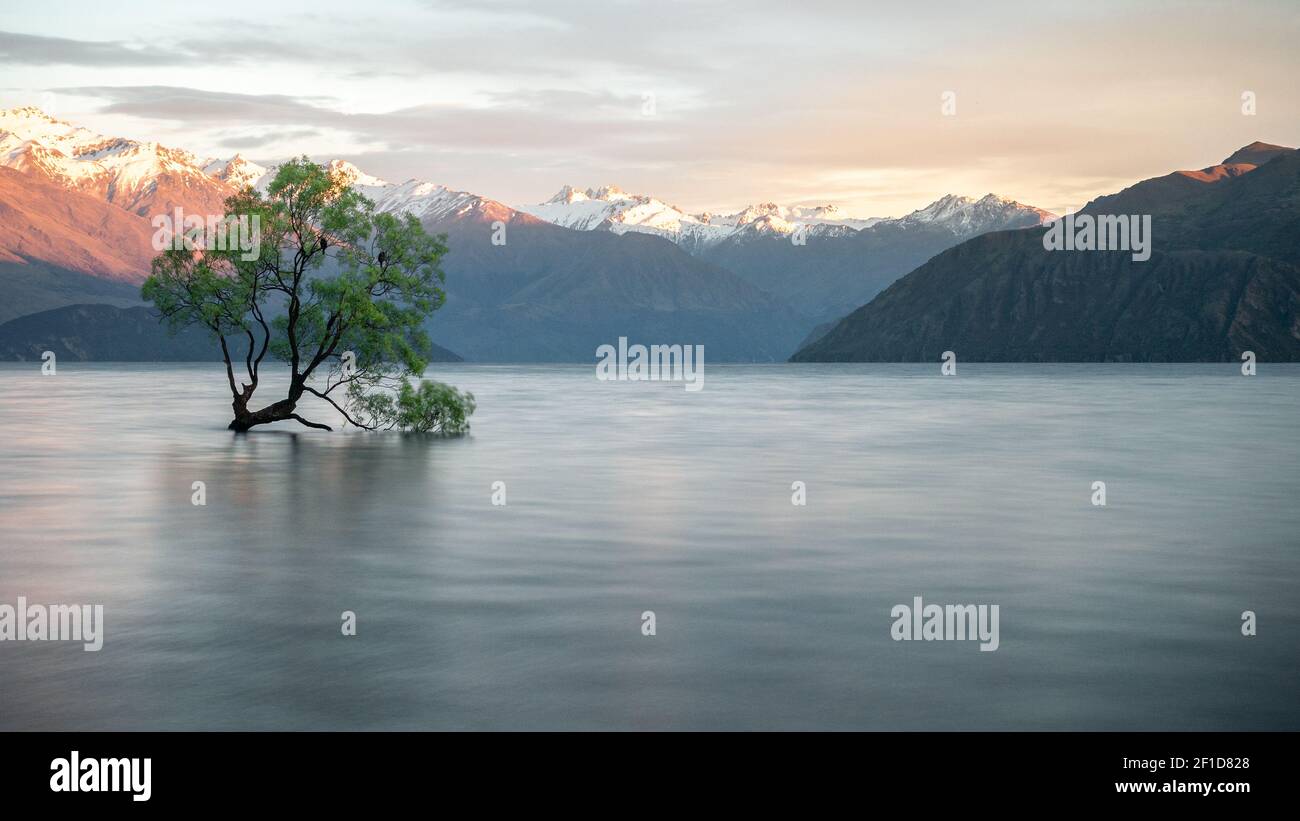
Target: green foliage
{"x":434,"y":407}
{"x":335,"y":291}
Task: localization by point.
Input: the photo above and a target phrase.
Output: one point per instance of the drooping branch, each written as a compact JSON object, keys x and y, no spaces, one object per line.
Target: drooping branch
{"x":309,"y":423}
{"x":340,"y":408}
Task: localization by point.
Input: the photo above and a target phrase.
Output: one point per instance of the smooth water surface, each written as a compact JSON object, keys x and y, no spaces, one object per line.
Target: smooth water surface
{"x":627,"y":497}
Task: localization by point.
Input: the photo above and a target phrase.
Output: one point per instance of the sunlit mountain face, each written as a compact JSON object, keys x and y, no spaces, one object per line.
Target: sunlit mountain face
{"x":79,"y":230}
{"x":123,"y":183}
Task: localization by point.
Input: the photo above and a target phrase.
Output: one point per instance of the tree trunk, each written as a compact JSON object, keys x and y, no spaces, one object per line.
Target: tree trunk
{"x":246,"y":419}
{"x":277,"y":412}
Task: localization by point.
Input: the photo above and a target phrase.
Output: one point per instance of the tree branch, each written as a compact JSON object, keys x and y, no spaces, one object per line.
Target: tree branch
{"x":248,"y":358}
{"x":230,"y":371}
{"x":340,"y":409}
{"x":266,"y":339}
{"x":310,"y":424}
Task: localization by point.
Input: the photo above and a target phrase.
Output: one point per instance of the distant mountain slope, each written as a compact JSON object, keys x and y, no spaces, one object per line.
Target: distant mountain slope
{"x":69,"y":229}
{"x":102,"y":333}
{"x":554,"y":294}
{"x":33,"y":286}
{"x":833,"y":274}
{"x":842,"y":262}
{"x":1170,"y":192}
{"x":1257,"y":153}
{"x":106,"y":333}
{"x":60,"y":246}
{"x":75,"y":209}
{"x":1224,"y":277}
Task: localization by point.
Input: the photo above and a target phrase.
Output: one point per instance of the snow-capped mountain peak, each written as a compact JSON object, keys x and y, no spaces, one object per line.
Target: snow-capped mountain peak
{"x":568,"y":194}
{"x":963,"y":215}
{"x":31,"y":123}
{"x":610,"y":208}
{"x":426,"y":200}
{"x":609,"y":193}
{"x":123,"y":171}
{"x":145,"y":177}
{"x":236,"y":171}
{"x":605,"y":193}
{"x":756,"y":212}
{"x":356,"y":176}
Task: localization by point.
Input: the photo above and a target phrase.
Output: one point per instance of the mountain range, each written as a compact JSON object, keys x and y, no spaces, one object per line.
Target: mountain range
{"x":834,"y":273}
{"x":756,"y":284}
{"x":841,"y":262}
{"x":609,"y":208}
{"x":76,"y":210}
{"x":1223,"y":278}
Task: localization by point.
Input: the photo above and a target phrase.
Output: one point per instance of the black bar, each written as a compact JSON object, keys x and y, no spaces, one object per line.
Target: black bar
{"x":333,"y":770}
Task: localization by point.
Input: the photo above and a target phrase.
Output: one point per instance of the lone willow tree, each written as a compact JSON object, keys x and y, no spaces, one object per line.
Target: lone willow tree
{"x":334,"y":290}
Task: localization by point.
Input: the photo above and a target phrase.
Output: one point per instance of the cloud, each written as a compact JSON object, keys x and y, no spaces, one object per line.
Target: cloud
{"x":250,"y":141}
{"x":524,"y":122}
{"x":37,"y":50}
{"x":755,"y":99}
{"x":181,"y":104}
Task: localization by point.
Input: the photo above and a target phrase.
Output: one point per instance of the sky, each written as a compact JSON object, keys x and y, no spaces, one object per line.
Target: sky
{"x":707,"y":104}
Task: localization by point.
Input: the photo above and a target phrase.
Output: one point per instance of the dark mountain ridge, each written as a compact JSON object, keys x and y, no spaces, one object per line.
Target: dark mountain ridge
{"x":1223,"y":278}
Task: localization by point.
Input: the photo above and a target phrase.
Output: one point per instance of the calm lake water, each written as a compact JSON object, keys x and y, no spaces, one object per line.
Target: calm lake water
{"x":627,"y":497}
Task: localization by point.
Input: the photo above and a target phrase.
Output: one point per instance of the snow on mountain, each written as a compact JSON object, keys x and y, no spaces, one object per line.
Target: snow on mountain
{"x":779,"y":215}
{"x":426,"y":200}
{"x":359,"y":179}
{"x":30,"y":135}
{"x":609,"y":208}
{"x":965,"y":216}
{"x":237,"y":171}
{"x":831,"y":215}
{"x":145,"y":177}
{"x":31,"y":141}
{"x":125,"y":172}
